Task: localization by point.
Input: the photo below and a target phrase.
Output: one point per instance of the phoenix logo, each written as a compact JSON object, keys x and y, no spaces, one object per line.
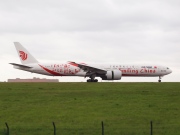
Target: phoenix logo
{"x":23,"y":55}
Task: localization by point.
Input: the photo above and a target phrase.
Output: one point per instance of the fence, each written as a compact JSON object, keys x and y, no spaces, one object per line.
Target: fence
{"x":7,"y":130}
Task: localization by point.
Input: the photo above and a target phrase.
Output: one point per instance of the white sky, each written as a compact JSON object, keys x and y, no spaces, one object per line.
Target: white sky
{"x":99,"y":31}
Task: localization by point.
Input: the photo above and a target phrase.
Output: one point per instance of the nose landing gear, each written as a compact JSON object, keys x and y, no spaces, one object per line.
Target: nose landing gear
{"x":159,"y":79}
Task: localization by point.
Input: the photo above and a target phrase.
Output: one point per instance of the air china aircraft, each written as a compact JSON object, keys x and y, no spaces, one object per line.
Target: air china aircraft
{"x":71,"y":68}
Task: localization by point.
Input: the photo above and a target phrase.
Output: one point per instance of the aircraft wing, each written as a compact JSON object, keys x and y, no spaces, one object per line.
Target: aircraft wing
{"x":23,"y":66}
{"x":88,"y":68}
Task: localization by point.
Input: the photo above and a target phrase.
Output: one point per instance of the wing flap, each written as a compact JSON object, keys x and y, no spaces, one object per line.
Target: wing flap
{"x":88,"y":68}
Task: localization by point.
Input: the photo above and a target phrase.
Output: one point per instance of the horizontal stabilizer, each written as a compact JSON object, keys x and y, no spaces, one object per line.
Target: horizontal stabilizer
{"x":23,"y":66}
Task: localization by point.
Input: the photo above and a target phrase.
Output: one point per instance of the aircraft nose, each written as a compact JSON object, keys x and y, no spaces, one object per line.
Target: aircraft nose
{"x":170,"y":71}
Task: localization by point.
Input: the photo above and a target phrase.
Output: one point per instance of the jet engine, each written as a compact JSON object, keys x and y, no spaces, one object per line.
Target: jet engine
{"x":112,"y":75}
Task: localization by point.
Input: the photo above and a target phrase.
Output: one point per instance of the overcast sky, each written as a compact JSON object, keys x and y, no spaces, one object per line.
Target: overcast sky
{"x":98,"y":31}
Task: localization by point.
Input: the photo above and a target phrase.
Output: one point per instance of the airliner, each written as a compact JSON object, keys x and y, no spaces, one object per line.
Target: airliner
{"x":72,"y":68}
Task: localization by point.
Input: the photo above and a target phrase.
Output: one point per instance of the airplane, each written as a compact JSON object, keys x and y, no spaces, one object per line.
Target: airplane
{"x":71,"y":68}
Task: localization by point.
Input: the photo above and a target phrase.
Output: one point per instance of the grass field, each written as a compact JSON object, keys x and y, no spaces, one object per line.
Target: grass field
{"x":79,"y":108}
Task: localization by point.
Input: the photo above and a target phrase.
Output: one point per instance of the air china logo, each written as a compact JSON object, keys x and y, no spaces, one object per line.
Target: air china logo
{"x":23,"y":55}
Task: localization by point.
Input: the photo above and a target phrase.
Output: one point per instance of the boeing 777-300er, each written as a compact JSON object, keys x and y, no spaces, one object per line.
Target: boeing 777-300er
{"x":71,"y":68}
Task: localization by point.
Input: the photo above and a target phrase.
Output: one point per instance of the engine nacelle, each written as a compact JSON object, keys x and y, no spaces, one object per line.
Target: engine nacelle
{"x":112,"y":75}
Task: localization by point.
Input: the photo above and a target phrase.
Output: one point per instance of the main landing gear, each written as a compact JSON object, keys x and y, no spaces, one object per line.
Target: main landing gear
{"x":159,"y":79}
{"x":92,"y":78}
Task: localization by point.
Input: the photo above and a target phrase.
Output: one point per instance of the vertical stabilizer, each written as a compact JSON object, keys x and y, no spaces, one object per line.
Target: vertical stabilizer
{"x":24,"y":55}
